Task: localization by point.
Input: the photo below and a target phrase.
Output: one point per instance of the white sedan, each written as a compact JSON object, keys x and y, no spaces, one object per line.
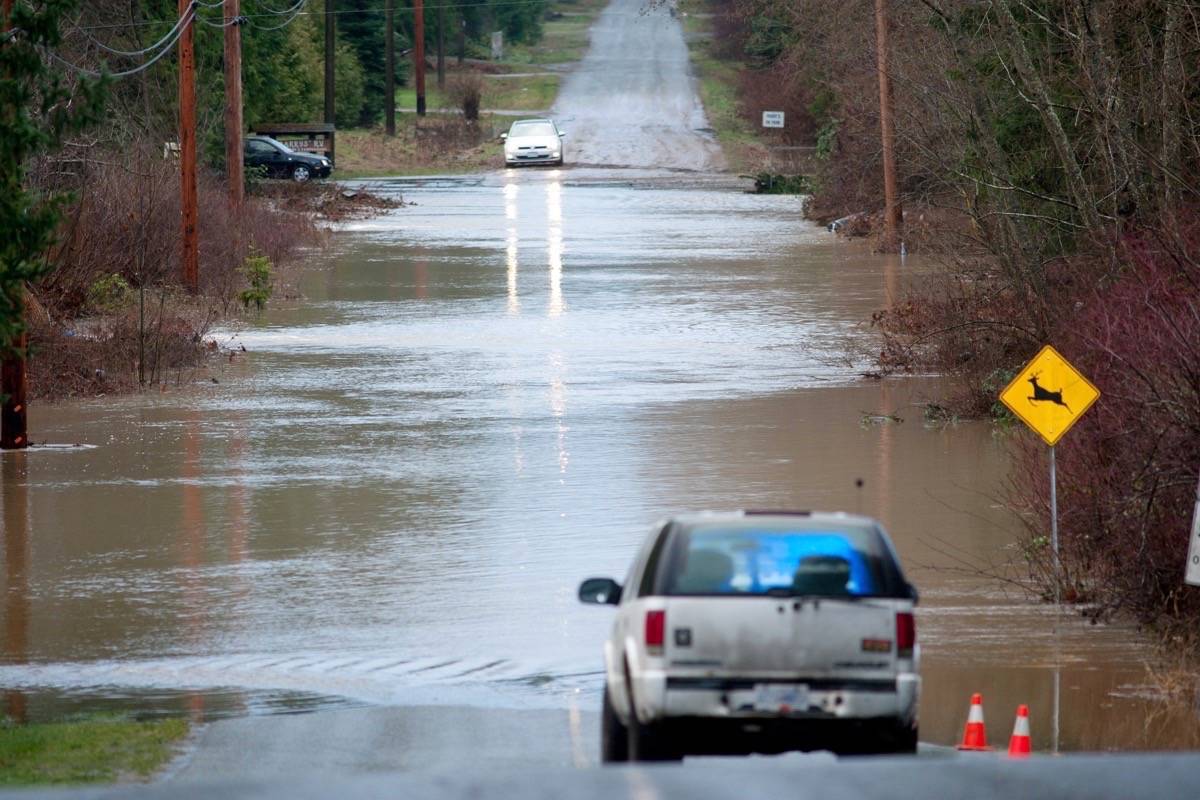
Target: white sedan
{"x":533,"y":141}
{"x":744,"y":632}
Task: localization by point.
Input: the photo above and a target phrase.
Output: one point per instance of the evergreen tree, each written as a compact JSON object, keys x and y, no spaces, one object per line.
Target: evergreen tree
{"x":521,"y":22}
{"x":361,"y":27}
{"x":37,"y":109}
{"x":282,"y":73}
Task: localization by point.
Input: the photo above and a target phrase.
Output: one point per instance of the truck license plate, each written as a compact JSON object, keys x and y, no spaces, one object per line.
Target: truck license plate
{"x":780,"y":698}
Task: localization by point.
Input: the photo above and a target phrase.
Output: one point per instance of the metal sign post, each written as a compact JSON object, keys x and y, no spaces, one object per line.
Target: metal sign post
{"x":1056,"y":397}
{"x":1054,"y":521}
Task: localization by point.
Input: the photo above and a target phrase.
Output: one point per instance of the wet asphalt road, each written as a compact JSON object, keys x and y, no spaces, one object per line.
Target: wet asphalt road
{"x":434,"y":739}
{"x":632,"y":101}
{"x":444,"y":739}
{"x":1098,"y":777}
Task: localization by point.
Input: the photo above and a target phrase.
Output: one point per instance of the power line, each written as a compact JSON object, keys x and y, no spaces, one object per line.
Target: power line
{"x":189,"y":15}
{"x":379,"y":10}
{"x":284,"y":11}
{"x":296,"y":8}
{"x":135,"y":53}
{"x":279,"y":27}
{"x":239,"y":20}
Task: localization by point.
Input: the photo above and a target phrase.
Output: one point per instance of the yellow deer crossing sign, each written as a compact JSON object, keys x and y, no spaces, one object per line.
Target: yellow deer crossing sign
{"x":1049,"y":395}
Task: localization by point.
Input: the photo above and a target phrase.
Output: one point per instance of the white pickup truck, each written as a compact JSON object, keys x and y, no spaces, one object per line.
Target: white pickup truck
{"x":763,"y":632}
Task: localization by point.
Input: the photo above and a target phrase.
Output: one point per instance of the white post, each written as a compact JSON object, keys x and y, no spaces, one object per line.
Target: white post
{"x":1057,"y":695}
{"x":1054,"y":522}
{"x":1193,"y":562}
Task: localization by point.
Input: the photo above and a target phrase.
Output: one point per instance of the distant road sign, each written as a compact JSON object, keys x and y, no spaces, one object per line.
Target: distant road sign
{"x":1049,"y":395}
{"x":772,"y":119}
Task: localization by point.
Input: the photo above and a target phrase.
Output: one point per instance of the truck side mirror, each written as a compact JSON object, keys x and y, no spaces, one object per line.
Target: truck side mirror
{"x":600,"y":591}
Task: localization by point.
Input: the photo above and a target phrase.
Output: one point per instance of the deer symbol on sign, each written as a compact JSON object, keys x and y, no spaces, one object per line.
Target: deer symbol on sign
{"x":1040,"y":393}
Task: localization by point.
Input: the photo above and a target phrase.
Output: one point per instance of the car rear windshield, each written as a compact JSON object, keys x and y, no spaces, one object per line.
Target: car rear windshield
{"x":716,"y":560}
{"x":532,"y":129}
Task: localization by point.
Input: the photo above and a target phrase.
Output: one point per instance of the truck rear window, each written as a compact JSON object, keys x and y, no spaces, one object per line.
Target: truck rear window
{"x":748,"y":561}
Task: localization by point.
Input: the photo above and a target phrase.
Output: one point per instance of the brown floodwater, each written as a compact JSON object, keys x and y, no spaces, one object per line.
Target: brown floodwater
{"x":484,"y":397}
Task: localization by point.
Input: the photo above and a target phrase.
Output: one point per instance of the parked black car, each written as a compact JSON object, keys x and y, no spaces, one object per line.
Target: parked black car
{"x":281,"y":161}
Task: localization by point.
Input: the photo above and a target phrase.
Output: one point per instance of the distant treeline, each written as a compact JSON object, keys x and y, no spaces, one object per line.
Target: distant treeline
{"x":283,"y":55}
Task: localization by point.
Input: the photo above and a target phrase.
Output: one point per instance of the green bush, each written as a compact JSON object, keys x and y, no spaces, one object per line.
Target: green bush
{"x":768,"y":183}
{"x":257,"y":269}
{"x":108,"y":294}
{"x":253,"y":177}
{"x":827,"y":138}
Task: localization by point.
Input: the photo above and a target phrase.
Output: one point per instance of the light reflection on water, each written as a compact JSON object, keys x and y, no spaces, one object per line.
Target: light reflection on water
{"x":485,"y":398}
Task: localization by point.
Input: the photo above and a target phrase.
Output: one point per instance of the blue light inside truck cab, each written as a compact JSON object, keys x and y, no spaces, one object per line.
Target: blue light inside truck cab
{"x":782,"y":560}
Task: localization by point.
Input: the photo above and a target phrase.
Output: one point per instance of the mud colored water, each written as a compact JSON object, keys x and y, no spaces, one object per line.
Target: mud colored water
{"x":483,"y":398}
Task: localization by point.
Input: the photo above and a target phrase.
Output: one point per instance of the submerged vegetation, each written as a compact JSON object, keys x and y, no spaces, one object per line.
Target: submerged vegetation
{"x":1048,"y":159}
{"x":770,"y":183}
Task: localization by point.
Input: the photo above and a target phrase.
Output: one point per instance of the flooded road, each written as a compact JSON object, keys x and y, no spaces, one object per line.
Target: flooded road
{"x":484,"y":397}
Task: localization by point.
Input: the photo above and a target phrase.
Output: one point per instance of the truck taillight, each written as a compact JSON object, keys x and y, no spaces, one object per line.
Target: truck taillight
{"x":656,"y":628}
{"x":906,"y":634}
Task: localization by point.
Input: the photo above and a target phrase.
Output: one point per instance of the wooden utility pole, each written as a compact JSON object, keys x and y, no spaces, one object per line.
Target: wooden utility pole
{"x":14,"y":422}
{"x":330,"y":45}
{"x":893,"y":213}
{"x":389,"y":81}
{"x":233,"y":102}
{"x":14,"y":413}
{"x":188,"y":192}
{"x":419,"y":52}
{"x":441,"y":46}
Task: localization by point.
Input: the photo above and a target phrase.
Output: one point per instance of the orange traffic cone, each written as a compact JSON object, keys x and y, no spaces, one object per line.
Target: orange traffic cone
{"x":1018,"y":745}
{"x":974,"y":736}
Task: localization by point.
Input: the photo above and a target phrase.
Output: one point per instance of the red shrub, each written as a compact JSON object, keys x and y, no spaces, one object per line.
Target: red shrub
{"x":126,"y":223}
{"x":1128,"y":469}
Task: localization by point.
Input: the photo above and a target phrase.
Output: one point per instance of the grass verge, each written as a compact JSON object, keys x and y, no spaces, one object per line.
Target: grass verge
{"x":566,"y":34}
{"x":93,"y":750}
{"x":524,"y":93}
{"x":436,"y":145}
{"x":517,"y":92}
{"x":718,"y":84}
